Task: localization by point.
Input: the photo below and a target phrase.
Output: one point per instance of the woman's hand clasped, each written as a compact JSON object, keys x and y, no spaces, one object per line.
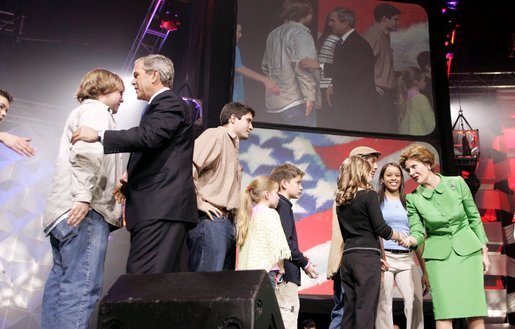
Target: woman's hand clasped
{"x":408,"y":242}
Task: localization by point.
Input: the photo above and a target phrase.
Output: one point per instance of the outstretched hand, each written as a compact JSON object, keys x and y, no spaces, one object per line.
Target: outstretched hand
{"x":272,"y":86}
{"x":20,"y":145}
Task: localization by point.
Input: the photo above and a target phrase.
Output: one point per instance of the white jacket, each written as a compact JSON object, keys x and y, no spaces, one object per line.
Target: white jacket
{"x":83,"y":172}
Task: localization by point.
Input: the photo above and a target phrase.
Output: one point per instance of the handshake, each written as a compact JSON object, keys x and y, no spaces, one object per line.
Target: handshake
{"x":403,"y":239}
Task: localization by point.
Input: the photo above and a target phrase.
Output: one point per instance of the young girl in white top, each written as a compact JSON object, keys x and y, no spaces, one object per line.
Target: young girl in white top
{"x":259,"y":234}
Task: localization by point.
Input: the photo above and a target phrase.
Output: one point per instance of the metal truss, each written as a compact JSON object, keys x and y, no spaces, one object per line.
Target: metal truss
{"x":480,"y":82}
{"x":150,"y":38}
{"x":10,"y":23}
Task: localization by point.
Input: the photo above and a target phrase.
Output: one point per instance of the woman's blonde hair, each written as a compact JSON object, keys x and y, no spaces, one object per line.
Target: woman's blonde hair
{"x":354,"y":174}
{"x":419,"y":153}
{"x":251,"y":195}
{"x":98,"y":82}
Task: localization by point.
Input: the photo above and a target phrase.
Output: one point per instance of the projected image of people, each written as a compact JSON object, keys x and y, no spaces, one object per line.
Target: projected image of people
{"x":350,"y":78}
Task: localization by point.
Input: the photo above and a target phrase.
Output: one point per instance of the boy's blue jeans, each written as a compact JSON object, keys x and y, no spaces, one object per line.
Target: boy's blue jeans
{"x":75,"y":281}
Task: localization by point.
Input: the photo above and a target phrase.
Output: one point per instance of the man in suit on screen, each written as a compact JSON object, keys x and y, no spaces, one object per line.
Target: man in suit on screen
{"x":352,"y":93}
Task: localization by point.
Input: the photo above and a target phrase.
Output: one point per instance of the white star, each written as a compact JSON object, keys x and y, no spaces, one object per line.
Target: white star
{"x":337,"y":139}
{"x":256,"y":156}
{"x":264,"y":135}
{"x":323,"y":192}
{"x":304,"y":167}
{"x":297,"y":208}
{"x":300,"y":147}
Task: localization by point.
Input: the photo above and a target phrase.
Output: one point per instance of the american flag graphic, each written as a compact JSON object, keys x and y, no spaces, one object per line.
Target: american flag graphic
{"x":319,"y":156}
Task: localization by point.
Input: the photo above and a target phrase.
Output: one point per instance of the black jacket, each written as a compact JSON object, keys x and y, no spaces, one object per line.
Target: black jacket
{"x":160,"y":183}
{"x":292,"y":268}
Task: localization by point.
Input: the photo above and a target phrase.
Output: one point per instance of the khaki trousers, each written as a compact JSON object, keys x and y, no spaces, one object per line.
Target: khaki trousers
{"x":287,"y":294}
{"x":404,"y":272}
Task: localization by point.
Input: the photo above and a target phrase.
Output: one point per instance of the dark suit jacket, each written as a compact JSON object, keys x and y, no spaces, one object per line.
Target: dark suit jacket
{"x":352,"y":73}
{"x":160,"y":183}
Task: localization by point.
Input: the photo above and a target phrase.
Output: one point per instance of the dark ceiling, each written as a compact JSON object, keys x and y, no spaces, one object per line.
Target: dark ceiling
{"x":484,"y":36}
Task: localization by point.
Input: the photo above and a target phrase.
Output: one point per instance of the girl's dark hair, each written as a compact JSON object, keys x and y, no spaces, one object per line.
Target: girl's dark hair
{"x":382,"y":188}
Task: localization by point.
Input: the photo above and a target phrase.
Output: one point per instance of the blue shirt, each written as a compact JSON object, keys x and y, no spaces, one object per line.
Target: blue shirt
{"x":238,"y":95}
{"x":396,"y":216}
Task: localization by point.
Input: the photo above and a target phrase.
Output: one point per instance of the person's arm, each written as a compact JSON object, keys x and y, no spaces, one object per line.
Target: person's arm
{"x":161,"y":124}
{"x":20,"y":145}
{"x":336,"y":248}
{"x":474,"y":218}
{"x":288,"y":225}
{"x":207,"y":150}
{"x":303,"y":46}
{"x":379,"y":227}
{"x":269,"y":84}
{"x":424,"y":280}
{"x":417,"y":231}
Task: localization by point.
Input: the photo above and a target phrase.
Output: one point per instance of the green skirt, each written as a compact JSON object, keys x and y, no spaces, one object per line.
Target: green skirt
{"x":457,"y":286}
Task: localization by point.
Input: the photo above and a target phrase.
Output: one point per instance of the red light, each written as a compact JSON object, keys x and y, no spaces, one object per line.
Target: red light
{"x":170,"y":25}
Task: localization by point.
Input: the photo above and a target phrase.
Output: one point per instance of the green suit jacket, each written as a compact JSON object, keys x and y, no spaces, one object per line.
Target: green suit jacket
{"x":446,"y":218}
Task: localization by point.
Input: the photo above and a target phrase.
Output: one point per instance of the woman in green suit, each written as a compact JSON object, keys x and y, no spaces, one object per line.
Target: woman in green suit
{"x":444,"y":217}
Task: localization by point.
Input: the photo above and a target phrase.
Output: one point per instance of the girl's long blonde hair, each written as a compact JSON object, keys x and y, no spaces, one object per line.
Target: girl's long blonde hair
{"x":251,"y":195}
{"x":354,"y":174}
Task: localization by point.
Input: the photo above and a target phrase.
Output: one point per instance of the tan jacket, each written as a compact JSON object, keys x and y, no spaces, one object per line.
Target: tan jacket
{"x":83,"y":172}
{"x":336,"y":249}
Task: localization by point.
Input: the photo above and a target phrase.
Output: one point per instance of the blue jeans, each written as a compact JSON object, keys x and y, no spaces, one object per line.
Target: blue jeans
{"x":75,"y":281}
{"x":212,"y":245}
{"x":337,"y":311}
{"x":297,"y":116}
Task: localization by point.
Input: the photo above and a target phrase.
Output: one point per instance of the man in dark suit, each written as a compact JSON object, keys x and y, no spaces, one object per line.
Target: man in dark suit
{"x":352,"y":92}
{"x":159,"y":191}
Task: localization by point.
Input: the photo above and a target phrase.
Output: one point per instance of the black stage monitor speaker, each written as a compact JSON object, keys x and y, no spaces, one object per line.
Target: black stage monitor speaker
{"x":228,"y":299}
